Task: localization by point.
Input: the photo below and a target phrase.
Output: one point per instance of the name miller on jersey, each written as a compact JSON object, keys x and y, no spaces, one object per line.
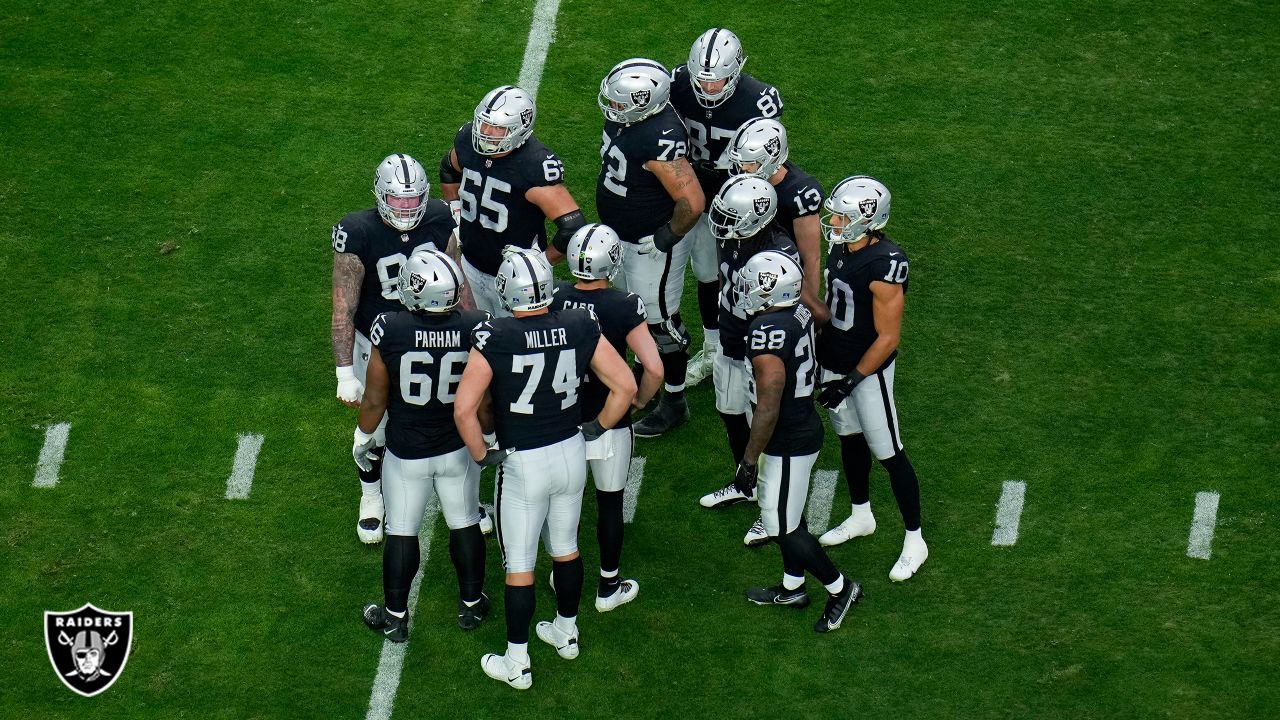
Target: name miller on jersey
{"x":437,"y":338}
{"x":551,"y":337}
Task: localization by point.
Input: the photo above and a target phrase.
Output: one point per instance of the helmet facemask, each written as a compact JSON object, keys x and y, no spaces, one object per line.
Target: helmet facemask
{"x":503,"y":121}
{"x":400,"y":186}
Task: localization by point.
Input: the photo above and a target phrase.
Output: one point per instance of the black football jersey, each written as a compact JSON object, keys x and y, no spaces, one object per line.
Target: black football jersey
{"x":711,"y":129}
{"x":788,"y":334}
{"x":382,"y":249}
{"x":494,"y":209}
{"x":848,"y":278}
{"x":538,"y":364}
{"x":629,"y":198}
{"x":425,"y":354}
{"x":618,"y":313}
{"x":799,"y":195}
{"x":734,"y":254}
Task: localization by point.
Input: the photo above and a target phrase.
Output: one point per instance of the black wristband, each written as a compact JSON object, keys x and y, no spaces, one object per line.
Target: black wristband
{"x":566,"y":225}
{"x":665,"y":238}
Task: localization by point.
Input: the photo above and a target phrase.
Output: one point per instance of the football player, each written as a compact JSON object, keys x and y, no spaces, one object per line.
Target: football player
{"x":414,"y":369}
{"x":866,"y":281}
{"x":647,"y":192}
{"x":369,"y":248}
{"x":503,"y":184}
{"x":714,"y":97}
{"x":741,"y":219}
{"x":594,"y":257}
{"x":786,"y":433}
{"x":532,"y":366}
{"x":760,"y":148}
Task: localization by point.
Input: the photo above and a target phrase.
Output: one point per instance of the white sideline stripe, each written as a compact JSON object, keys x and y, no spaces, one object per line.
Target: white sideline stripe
{"x":1203,"y":522}
{"x":241,"y":480}
{"x":822,"y":493}
{"x":635,"y":476}
{"x":1009,"y":513}
{"x":542,"y":30}
{"x":382,"y":699}
{"x":51,"y":454}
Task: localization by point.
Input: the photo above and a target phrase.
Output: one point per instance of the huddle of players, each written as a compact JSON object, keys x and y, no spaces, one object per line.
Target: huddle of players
{"x":756,"y":249}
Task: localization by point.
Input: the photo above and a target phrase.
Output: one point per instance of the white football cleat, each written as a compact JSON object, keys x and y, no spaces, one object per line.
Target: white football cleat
{"x":700,"y":365}
{"x":369,"y":528}
{"x":500,"y":667}
{"x":486,"y":520}
{"x":726,"y":496}
{"x":914,"y":553}
{"x":854,"y":526}
{"x":624,"y":593}
{"x":566,"y":645}
{"x":756,"y":535}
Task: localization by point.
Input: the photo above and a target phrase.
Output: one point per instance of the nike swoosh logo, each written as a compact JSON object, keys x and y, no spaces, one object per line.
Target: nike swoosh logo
{"x":765,"y":327}
{"x":388,"y":631}
{"x":667,"y":131}
{"x":894,"y":253}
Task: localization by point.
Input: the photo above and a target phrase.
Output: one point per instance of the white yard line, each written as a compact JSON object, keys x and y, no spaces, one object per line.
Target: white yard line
{"x":822,"y":493}
{"x":1203,"y":522}
{"x":635,"y":476}
{"x":542,"y":31}
{"x":241,"y":480}
{"x":1009,"y":513}
{"x":382,"y":699}
{"x":55,"y":447}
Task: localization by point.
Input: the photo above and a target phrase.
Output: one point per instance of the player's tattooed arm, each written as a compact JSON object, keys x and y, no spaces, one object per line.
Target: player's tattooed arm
{"x":808,"y":234}
{"x":348,"y":273}
{"x":771,"y":380}
{"x":680,"y":182}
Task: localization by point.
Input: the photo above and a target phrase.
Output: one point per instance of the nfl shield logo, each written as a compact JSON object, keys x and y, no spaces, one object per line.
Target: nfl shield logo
{"x":640,"y":97}
{"x":762,"y":206}
{"x":868,"y":207}
{"x":88,"y":647}
{"x":488,"y":163}
{"x":404,"y":238}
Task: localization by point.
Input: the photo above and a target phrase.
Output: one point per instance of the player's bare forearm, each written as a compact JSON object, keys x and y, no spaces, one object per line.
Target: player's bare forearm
{"x":377,"y":383}
{"x":875,"y":355}
{"x":466,"y":406}
{"x":348,"y":273}
{"x":680,"y":182}
{"x":616,"y":375}
{"x":449,"y":191}
{"x":886,"y":308}
{"x":765,"y":418}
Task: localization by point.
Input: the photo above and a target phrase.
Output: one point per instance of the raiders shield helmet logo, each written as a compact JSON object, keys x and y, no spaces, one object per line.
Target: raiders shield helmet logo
{"x":500,"y":284}
{"x":417,"y":282}
{"x":88,"y":647}
{"x":640,"y":97}
{"x":867,"y":207}
{"x":772,"y":145}
{"x":767,"y":281}
{"x":526,"y":117}
{"x":762,"y":206}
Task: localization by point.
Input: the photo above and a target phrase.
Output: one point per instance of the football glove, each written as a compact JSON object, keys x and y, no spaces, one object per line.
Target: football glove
{"x":592,"y":430}
{"x":833,"y":392}
{"x":362,"y":449}
{"x":350,"y":390}
{"x":646,"y":245}
{"x":745,"y":478}
{"x":494,"y":456}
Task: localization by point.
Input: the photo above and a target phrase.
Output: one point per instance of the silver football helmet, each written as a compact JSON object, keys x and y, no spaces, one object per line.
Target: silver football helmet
{"x":861,"y":203}
{"x":762,"y":141}
{"x":524,"y":280}
{"x":742,"y":207}
{"x":430,"y":281}
{"x":715,"y":55}
{"x":634,"y":90}
{"x":510,"y":113}
{"x":770,"y":279}
{"x":401,"y":177}
{"x":594,"y":253}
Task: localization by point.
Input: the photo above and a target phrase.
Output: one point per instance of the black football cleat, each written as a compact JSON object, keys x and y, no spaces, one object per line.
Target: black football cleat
{"x":838,"y":606}
{"x":469,"y":618}
{"x":389,"y":626}
{"x":779,"y":595}
{"x":669,"y":415}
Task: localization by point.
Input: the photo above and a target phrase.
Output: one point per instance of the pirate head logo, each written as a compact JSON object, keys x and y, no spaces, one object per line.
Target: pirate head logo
{"x":88,"y":647}
{"x":615,"y":253}
{"x":526,"y":117}
{"x":867,"y":207}
{"x":640,"y":97}
{"x":767,"y":281}
{"x":417,"y":281}
{"x":762,"y":206}
{"x":772,"y":146}
{"x":500,"y":284}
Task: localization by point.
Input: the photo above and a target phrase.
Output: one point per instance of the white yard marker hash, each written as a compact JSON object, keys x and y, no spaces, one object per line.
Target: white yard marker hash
{"x":1203,"y":521}
{"x":822,"y":493}
{"x":635,"y":476}
{"x":383,"y":697}
{"x":241,"y":480}
{"x":1009,"y":513}
{"x":55,"y":447}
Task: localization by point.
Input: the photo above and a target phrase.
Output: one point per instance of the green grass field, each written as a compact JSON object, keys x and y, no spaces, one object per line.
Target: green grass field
{"x":1089,"y":194}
